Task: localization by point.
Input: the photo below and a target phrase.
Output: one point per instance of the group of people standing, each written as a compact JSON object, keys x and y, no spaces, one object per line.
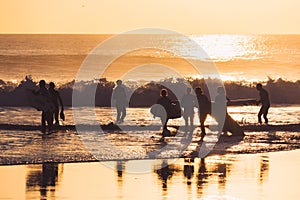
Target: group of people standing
{"x":50,"y":111}
{"x":188,"y":102}
{"x":204,"y":105}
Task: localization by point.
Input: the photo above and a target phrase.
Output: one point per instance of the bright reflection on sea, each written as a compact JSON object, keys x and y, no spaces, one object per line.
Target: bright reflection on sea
{"x":223,"y":48}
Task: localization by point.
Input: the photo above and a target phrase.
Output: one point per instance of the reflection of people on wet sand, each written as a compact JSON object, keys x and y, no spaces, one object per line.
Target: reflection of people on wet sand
{"x":204,"y":108}
{"x":165,"y":102}
{"x":202,"y":173}
{"x":188,"y":102}
{"x":265,"y":103}
{"x":47,"y":111}
{"x":44,"y":178}
{"x":55,"y":96}
{"x":188,"y":171}
{"x":120,"y":100}
{"x":164,"y":173}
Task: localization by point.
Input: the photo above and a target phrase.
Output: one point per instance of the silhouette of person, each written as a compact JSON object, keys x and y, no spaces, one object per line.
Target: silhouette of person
{"x":165,"y":102}
{"x":120,"y":99}
{"x":47,"y":114}
{"x":55,"y":96}
{"x":221,"y":109}
{"x":265,"y":102}
{"x":188,"y":103}
{"x":204,"y":108}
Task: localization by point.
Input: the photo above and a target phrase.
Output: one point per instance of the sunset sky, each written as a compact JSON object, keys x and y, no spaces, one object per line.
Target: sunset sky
{"x":185,"y":16}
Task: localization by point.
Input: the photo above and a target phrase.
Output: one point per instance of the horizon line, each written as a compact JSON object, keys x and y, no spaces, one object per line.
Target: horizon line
{"x":106,"y":33}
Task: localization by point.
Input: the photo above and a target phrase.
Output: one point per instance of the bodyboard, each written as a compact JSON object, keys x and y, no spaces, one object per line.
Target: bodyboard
{"x":159,"y":111}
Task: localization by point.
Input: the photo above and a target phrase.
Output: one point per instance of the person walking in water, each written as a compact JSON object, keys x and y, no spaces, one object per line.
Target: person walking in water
{"x":188,"y":103}
{"x":204,"y":108}
{"x":221,"y":114}
{"x":265,"y":102}
{"x":165,"y":102}
{"x":120,"y":100}
{"x":55,"y":96}
{"x":47,"y":111}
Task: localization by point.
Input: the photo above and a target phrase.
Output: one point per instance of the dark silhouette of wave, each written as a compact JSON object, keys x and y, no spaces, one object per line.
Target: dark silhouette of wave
{"x":280,"y":91}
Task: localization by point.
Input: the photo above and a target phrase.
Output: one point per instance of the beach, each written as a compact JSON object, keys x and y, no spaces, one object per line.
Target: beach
{"x":71,"y":165}
{"x":244,"y":176}
{"x":130,"y":100}
{"x":137,"y":138}
{"x":90,"y":157}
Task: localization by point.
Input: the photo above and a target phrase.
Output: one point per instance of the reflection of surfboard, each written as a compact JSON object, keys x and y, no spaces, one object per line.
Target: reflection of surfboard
{"x":40,"y":102}
{"x":242,"y":102}
{"x":159,"y":111}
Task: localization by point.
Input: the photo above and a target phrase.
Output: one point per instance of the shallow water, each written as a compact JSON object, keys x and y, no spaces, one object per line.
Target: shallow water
{"x":278,"y":114}
{"x":265,"y":176}
{"x":18,"y":146}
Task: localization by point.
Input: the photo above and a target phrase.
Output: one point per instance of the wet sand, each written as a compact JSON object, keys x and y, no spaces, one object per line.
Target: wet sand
{"x":63,"y":165}
{"x":272,"y":175}
{"x":24,"y":147}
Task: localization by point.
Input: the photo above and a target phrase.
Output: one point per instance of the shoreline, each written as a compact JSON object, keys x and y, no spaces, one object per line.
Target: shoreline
{"x":32,"y":147}
{"x":147,"y":159}
{"x":113,"y":127}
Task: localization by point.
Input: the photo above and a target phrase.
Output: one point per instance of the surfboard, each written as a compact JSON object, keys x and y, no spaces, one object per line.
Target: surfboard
{"x":40,"y":102}
{"x":242,"y":102}
{"x":159,"y":111}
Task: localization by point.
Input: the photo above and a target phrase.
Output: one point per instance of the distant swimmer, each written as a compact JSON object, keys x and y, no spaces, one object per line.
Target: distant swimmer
{"x":265,"y":102}
{"x":120,"y":100}
{"x":188,"y":103}
{"x":166,"y":103}
{"x":55,"y":96}
{"x":204,"y":108}
{"x":47,"y":111}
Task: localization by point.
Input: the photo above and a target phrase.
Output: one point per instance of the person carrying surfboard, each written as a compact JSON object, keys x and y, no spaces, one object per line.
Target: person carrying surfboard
{"x":55,"y":96}
{"x":225,"y":122}
{"x":265,"y":103}
{"x":166,"y":103}
{"x":204,"y":108}
{"x":46,"y":106}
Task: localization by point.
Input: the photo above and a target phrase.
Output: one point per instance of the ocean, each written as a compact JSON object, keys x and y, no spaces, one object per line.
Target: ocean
{"x":237,"y":57}
{"x":134,"y":162}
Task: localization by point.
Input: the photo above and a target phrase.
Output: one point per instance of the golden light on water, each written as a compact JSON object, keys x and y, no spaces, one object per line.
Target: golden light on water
{"x":222,"y":48}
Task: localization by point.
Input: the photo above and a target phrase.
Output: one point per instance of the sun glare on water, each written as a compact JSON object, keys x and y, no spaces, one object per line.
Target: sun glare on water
{"x":222,"y":48}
